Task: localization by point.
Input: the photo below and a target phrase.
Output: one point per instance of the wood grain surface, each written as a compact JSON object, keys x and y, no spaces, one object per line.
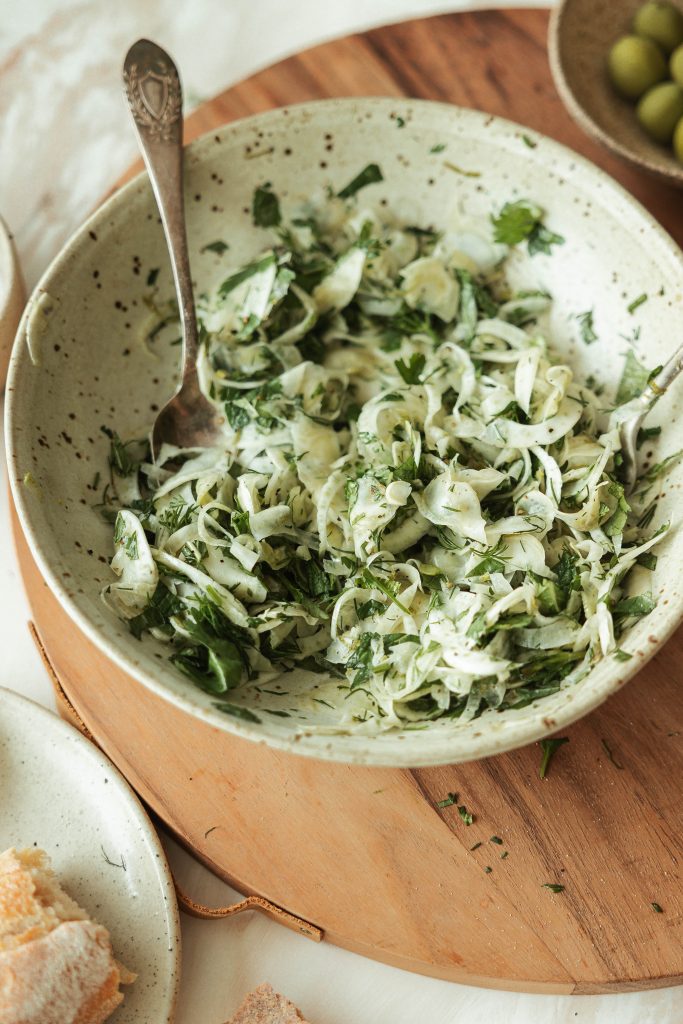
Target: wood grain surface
{"x":368,"y":854}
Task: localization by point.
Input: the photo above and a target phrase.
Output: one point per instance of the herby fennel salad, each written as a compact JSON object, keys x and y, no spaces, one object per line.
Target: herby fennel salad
{"x":414,"y":501}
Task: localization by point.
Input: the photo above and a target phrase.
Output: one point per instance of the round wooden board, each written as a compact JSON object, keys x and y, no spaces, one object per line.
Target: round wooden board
{"x":367,"y":854}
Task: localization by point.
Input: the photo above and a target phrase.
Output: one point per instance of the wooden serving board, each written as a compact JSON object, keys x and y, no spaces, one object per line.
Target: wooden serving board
{"x":367,"y":854}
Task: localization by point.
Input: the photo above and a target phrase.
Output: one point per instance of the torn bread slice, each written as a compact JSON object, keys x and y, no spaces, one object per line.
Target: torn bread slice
{"x":56,"y":965}
{"x":266,"y":1006}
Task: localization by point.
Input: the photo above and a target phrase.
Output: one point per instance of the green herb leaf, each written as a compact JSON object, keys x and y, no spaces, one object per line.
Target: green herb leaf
{"x":634,"y":379}
{"x":265,"y":207}
{"x":553,"y":886}
{"x":465,"y":814}
{"x":449,"y":800}
{"x":638,"y":606}
{"x":522,"y":221}
{"x":548,"y":749}
{"x":588,"y":334}
{"x":218,"y":247}
{"x":516,"y":221}
{"x":237,"y":415}
{"x":412,"y":370}
{"x":245,"y":273}
{"x":237,"y":711}
{"x":633,"y":306}
{"x":438,"y":148}
{"x":620,"y":655}
{"x":542,"y":240}
{"x":657,"y":909}
{"x":368,"y":176}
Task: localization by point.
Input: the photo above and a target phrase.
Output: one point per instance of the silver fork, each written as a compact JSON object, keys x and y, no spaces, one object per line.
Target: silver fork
{"x":628,"y":430}
{"x":156,"y":100}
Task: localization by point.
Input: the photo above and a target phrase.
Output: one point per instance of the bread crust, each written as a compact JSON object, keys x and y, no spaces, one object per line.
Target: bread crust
{"x":56,"y":965}
{"x":266,"y":1006}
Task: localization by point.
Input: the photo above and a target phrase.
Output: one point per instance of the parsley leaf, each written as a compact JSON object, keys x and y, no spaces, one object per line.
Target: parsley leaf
{"x":411,"y":371}
{"x":368,"y":176}
{"x":548,"y":748}
{"x":638,"y":606}
{"x":218,"y":247}
{"x":265,"y":207}
{"x":245,"y":273}
{"x":521,"y":221}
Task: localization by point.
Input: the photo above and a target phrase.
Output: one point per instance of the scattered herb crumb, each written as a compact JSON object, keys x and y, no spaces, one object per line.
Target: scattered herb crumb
{"x":461,"y":170}
{"x":113,"y":863}
{"x":553,"y":886}
{"x":465,"y":814}
{"x":497,"y":840}
{"x":528,"y":141}
{"x":218,"y":247}
{"x":438,"y":148}
{"x":633,"y":306}
{"x":657,"y":909}
{"x":620,"y":655}
{"x":476,"y":846}
{"x":400,"y":122}
{"x":608,"y":751}
{"x":449,"y":801}
{"x":588,"y":335}
{"x":504,"y":855}
{"x":488,"y":870}
{"x":152,"y":277}
{"x":548,"y":748}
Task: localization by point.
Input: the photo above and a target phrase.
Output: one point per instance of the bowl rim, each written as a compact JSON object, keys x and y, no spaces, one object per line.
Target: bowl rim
{"x":580,"y":113}
{"x":391,"y":749}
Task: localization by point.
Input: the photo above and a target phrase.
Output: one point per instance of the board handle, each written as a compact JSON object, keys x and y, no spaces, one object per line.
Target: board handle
{"x":272,"y":910}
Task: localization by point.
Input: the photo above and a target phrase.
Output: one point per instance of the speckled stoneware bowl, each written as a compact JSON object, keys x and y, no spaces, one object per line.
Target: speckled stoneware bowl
{"x":92,"y":371}
{"x":60,"y":793}
{"x":580,"y":35}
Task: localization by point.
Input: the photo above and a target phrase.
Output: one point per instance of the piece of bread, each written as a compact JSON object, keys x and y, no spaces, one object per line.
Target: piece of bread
{"x":56,"y":965}
{"x":265,"y":1006}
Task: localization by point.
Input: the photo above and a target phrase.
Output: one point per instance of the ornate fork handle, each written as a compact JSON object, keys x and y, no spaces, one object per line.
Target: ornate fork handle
{"x":155,"y":97}
{"x":153,"y":90}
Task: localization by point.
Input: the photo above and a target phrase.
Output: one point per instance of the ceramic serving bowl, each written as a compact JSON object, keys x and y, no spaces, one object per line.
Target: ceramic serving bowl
{"x":580,"y":35}
{"x":79,"y":364}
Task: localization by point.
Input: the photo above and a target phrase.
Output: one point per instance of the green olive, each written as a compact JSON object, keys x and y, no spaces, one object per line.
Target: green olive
{"x":660,"y":22}
{"x":660,"y":109}
{"x":678,"y":140}
{"x":635,"y":65}
{"x":676,"y":65}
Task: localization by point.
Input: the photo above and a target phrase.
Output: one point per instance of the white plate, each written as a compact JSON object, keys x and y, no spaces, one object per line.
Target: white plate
{"x":58,"y":792}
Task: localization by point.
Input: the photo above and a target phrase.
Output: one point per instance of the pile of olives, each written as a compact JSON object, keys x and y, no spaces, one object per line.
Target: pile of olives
{"x":647,"y":66}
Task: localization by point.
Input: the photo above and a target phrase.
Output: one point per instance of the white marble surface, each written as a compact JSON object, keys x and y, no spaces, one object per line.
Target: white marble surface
{"x":64,"y":138}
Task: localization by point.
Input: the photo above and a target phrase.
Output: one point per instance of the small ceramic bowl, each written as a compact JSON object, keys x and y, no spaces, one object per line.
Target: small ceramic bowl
{"x":579,"y":38}
{"x":88,"y":369}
